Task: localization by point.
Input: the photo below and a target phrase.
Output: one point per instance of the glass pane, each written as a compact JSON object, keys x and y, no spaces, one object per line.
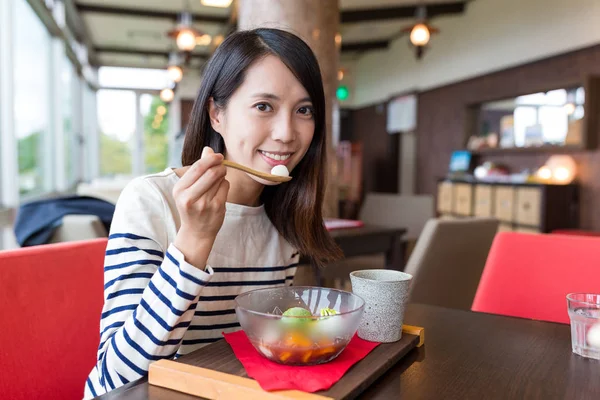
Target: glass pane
{"x":32,"y":97}
{"x":550,"y":118}
{"x":554,"y":122}
{"x":532,"y":99}
{"x":89,"y":131}
{"x":525,"y":119}
{"x":116,"y":120}
{"x":155,"y":116}
{"x":68,"y":81}
{"x":556,"y":97}
{"x":133,"y":78}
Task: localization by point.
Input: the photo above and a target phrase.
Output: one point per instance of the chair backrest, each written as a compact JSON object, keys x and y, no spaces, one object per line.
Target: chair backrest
{"x":51,"y":297}
{"x":448,"y":259}
{"x":529,"y":276}
{"x":410,"y":212}
{"x":105,"y":189}
{"x":75,"y":228}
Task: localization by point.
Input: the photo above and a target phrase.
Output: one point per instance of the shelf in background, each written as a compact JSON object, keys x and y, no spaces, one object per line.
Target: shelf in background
{"x":530,"y":150}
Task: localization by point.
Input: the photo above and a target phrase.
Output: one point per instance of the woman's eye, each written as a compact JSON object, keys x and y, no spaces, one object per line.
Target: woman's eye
{"x":305,"y":111}
{"x":263,"y":107}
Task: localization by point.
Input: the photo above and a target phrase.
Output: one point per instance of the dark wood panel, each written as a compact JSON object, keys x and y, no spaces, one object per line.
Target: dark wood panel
{"x":442,"y":123}
{"x":346,"y":124}
{"x":479,"y":356}
{"x":380,"y":150}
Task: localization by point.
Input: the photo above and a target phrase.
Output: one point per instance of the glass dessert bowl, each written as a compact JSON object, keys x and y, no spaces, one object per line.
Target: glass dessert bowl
{"x":299,"y":325}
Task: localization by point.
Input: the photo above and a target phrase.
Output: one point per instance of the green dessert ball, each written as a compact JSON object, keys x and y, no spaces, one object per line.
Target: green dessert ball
{"x":297,"y":312}
{"x":296,"y":318}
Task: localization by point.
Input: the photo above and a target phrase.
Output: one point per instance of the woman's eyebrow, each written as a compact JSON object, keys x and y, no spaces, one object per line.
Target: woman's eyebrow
{"x":267,"y":96}
{"x":272,"y":96}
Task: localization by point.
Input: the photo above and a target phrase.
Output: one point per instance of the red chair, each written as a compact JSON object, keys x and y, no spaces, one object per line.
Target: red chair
{"x":51,"y":297}
{"x":529,"y":276}
{"x":575,"y":232}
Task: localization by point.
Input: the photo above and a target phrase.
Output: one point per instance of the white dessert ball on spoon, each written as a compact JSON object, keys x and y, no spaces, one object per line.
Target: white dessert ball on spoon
{"x":280,"y":170}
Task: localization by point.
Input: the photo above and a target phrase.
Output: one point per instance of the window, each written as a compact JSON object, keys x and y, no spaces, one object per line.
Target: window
{"x":89,"y":129}
{"x":544,"y":117}
{"x":69,"y":87}
{"x":117,"y":122}
{"x":134,"y":122}
{"x":155,"y":117}
{"x":537,"y":119}
{"x":32,"y":126}
{"x":133,"y":78}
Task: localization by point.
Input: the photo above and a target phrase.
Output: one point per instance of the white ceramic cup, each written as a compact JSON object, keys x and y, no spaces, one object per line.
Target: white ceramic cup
{"x":385,"y":293}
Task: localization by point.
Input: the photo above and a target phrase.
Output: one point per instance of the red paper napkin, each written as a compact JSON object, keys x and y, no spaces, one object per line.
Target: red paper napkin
{"x":337,"y":223}
{"x":273,"y":376}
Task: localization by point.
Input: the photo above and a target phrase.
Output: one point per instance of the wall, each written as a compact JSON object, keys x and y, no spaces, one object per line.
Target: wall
{"x":380,"y":150}
{"x":491,"y":36}
{"x":442,"y":119}
{"x":189,"y":85}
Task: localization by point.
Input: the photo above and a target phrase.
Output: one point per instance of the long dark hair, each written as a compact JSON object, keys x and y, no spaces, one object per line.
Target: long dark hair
{"x":294,"y":208}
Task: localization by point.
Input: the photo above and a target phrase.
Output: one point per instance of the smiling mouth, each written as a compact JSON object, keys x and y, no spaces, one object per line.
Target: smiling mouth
{"x":276,"y":156}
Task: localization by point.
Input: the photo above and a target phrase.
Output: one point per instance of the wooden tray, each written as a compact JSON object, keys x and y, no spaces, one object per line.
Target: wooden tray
{"x":219,"y":375}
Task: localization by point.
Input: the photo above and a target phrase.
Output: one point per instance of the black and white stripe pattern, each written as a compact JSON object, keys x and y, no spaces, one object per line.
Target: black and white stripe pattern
{"x":161,"y":307}
{"x":156,"y":305}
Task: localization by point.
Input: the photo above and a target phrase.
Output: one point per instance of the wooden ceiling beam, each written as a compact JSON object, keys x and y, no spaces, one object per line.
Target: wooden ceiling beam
{"x":139,"y":52}
{"x":379,"y":14}
{"x":136,"y":12}
{"x":365,"y":46}
{"x":348,"y":16}
{"x":346,"y":48}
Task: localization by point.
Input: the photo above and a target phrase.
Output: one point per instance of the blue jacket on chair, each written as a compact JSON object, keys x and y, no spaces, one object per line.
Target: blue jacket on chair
{"x":36,"y":221}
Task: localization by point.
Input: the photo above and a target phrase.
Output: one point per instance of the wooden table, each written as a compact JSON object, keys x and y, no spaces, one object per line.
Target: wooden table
{"x":466,"y":356}
{"x":364,"y":241}
{"x":372,"y":239}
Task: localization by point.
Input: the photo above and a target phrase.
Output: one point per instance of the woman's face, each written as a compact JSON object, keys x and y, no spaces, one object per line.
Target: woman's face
{"x":268,"y":120}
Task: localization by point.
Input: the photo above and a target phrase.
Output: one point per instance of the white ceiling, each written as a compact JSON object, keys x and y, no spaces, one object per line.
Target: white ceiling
{"x":197,"y":7}
{"x":136,"y":60}
{"x":372,"y":31}
{"x":362,"y":4}
{"x":147,"y":34}
{"x":109,"y":30}
{"x":158,"y":5}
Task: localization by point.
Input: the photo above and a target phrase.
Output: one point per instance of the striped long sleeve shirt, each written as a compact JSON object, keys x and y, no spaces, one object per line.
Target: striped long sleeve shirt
{"x":156,"y":305}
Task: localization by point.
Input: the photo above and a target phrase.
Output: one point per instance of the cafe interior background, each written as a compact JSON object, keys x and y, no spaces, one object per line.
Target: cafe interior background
{"x":438,"y":110}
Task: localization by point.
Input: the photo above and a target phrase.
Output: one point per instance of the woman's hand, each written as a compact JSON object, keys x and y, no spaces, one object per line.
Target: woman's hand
{"x":200,"y":197}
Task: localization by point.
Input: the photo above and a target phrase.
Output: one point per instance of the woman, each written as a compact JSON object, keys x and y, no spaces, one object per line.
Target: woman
{"x":184,"y":243}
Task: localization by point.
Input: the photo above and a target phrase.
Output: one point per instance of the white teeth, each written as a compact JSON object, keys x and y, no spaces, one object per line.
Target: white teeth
{"x":277,"y":157}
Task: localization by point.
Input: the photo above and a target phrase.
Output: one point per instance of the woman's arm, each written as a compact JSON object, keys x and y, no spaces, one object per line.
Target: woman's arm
{"x":150,"y":292}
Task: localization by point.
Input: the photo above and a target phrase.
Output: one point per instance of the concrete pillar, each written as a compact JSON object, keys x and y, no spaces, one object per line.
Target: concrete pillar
{"x":317,"y":23}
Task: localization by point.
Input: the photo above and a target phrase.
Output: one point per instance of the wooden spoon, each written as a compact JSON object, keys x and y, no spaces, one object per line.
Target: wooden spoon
{"x":263,"y":175}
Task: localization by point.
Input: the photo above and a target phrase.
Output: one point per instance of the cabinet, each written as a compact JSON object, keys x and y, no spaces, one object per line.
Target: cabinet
{"x":530,"y":208}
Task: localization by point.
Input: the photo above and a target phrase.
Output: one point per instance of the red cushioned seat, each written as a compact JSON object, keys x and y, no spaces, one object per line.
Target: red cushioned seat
{"x":51,"y":298}
{"x":575,"y":232}
{"x":529,"y":276}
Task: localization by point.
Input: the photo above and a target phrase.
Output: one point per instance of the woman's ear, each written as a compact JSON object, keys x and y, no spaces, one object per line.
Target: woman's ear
{"x":215,"y":115}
